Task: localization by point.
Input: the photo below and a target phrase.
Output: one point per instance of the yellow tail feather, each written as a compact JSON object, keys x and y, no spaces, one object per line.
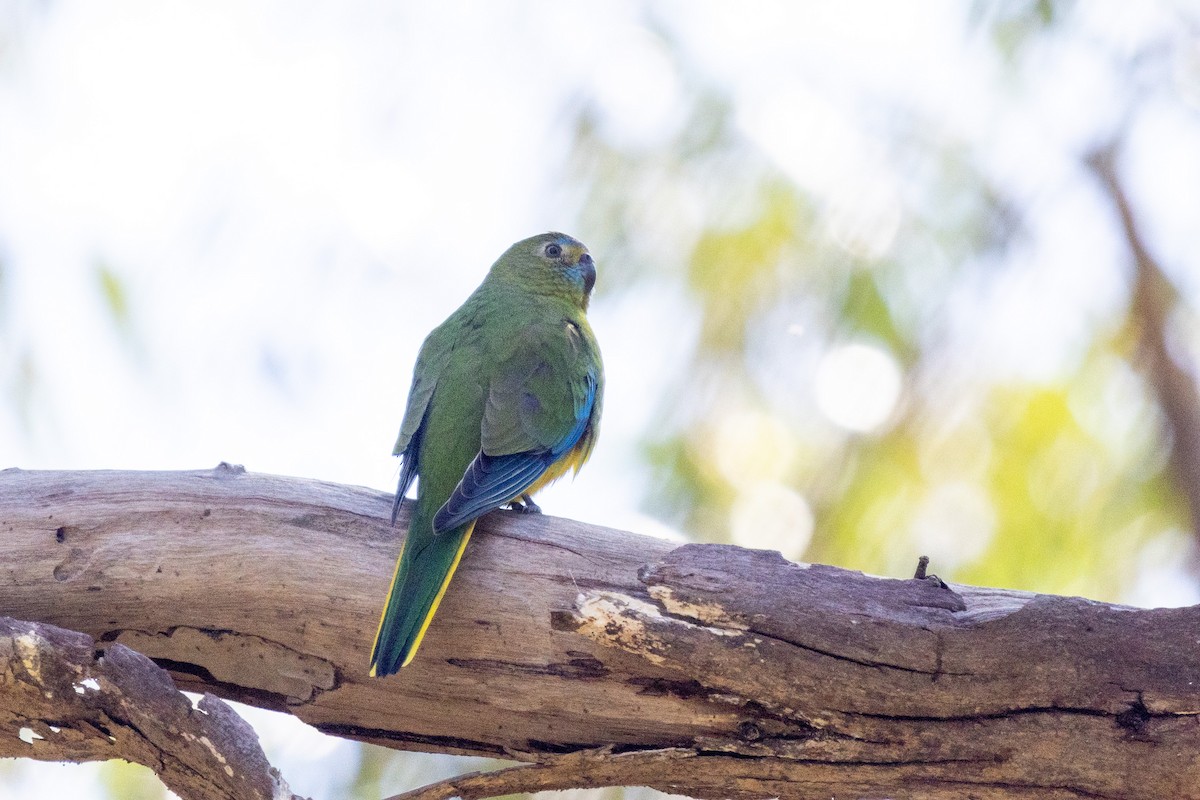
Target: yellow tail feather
{"x":437,"y":600}
{"x":383,"y":613}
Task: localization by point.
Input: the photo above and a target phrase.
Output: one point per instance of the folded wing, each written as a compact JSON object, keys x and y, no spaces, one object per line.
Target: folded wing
{"x":537,"y":411}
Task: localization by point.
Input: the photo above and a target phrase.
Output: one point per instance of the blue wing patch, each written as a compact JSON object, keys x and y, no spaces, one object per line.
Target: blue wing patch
{"x":488,"y":483}
{"x":491,"y":481}
{"x":583,"y":415}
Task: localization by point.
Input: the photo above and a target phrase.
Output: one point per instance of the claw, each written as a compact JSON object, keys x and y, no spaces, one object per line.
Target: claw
{"x":525,"y":505}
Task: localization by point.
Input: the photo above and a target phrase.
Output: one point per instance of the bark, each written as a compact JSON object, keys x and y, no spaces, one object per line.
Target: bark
{"x":601,"y":657}
{"x":61,"y":700}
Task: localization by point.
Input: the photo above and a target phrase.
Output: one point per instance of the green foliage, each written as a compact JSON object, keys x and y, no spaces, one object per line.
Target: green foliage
{"x":372,"y":765}
{"x":1054,"y":483}
{"x":1016,"y":23}
{"x":125,"y":781}
{"x":114,"y":295}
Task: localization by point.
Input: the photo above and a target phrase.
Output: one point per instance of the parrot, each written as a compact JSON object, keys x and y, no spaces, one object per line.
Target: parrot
{"x":506,"y":397}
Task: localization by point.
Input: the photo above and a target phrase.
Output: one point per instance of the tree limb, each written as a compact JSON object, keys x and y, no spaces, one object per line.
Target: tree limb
{"x":1152,"y":301}
{"x":61,"y":700}
{"x":586,"y":769}
{"x":707,"y":670}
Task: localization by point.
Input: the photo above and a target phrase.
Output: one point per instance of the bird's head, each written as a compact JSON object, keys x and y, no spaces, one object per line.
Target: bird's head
{"x":551,"y":263}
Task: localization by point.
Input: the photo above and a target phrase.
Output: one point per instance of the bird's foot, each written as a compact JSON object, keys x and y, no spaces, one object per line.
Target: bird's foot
{"x":525,"y":505}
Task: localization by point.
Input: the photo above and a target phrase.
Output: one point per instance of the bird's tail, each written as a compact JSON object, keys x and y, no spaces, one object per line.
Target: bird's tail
{"x":422,"y":574}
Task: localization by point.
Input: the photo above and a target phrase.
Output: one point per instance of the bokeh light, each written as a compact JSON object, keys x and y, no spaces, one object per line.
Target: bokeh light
{"x":858,"y":386}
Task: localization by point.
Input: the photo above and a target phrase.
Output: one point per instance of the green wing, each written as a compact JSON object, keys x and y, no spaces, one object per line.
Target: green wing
{"x":431,"y":362}
{"x":542,"y":401}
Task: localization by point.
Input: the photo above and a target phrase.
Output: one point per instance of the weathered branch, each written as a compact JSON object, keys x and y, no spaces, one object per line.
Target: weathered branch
{"x":60,"y":700}
{"x":586,"y":769}
{"x":604,"y":658}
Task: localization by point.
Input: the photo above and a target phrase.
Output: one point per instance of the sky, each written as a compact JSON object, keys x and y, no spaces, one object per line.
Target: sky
{"x":292,"y":195}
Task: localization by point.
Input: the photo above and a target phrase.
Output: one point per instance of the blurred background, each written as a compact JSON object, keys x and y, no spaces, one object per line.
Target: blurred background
{"x":877,"y":279}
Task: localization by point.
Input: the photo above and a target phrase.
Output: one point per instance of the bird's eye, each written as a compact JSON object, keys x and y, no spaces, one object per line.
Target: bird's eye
{"x":553,"y":251}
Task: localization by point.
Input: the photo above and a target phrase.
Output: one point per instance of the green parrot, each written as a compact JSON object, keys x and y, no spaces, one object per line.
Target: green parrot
{"x":505,"y":398}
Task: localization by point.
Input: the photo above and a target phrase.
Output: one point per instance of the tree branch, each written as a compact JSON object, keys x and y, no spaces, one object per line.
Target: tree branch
{"x":586,"y":769}
{"x":1152,"y":300}
{"x":606,"y":658}
{"x":60,"y":700}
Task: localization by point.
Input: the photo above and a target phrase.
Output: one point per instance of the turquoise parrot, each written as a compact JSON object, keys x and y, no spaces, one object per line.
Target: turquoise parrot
{"x":505,"y":398}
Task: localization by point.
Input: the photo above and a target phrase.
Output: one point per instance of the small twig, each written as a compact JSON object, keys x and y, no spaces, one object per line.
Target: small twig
{"x":922,"y":575}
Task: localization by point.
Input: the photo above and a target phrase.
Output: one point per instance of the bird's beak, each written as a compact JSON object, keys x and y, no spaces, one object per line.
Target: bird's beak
{"x":588,"y":268}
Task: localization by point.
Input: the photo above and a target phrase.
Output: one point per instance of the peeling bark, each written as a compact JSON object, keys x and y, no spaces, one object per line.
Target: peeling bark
{"x":601,"y":657}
